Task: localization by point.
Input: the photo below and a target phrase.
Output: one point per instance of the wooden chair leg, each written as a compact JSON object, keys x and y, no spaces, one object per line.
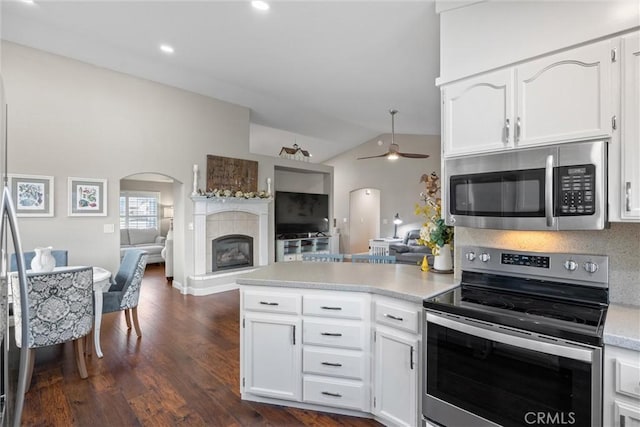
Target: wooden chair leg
{"x":126,"y":318}
{"x":31,"y":360}
{"x":134,"y":312}
{"x":78,"y":346}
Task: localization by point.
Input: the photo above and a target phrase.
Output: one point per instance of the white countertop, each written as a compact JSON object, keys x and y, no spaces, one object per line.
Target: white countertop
{"x":402,"y":281}
{"x":622,"y":327}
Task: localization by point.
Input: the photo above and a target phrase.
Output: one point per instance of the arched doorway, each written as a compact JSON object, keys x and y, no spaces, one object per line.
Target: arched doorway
{"x":364,"y":218}
{"x":147,"y":209}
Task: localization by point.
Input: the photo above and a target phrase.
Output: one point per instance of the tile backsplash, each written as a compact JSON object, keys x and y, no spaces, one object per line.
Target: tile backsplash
{"x":621,"y":242}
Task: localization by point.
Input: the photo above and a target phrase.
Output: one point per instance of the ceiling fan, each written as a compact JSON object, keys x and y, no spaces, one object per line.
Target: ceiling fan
{"x":394,"y":149}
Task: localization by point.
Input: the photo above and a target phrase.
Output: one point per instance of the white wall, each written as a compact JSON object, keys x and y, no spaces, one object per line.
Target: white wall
{"x":68,"y":118}
{"x":491,"y":34}
{"x":398,"y":181}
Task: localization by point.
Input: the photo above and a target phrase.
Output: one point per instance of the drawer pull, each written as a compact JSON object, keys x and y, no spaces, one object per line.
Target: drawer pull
{"x":332,"y":364}
{"x":391,"y":316}
{"x":324,"y":307}
{"x":328,"y":393}
{"x":268,"y":303}
{"x":331,"y":334}
{"x":411,"y":358}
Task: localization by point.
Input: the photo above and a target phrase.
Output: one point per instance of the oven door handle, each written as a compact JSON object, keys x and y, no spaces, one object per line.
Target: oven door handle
{"x":548,"y":191}
{"x":566,"y":350}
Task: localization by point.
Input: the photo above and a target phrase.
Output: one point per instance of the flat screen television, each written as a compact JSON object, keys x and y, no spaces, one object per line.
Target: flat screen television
{"x":298,"y":213}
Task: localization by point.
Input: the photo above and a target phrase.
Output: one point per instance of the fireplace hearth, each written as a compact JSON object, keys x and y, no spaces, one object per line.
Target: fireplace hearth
{"x":231,"y":252}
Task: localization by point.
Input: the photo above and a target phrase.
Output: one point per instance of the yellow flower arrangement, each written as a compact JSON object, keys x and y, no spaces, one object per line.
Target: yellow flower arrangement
{"x":434,"y":233}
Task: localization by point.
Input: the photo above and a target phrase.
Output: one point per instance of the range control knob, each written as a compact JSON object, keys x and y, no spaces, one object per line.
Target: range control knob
{"x":470,"y":256}
{"x":570,"y":265}
{"x":485,"y":257}
{"x":590,"y":267}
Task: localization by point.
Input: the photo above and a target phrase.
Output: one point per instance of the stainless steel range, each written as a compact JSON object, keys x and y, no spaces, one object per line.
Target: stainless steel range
{"x":519,"y":342}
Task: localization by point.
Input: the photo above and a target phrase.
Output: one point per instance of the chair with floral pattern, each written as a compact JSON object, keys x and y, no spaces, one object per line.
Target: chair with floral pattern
{"x":125,"y":291}
{"x":60,"y":310}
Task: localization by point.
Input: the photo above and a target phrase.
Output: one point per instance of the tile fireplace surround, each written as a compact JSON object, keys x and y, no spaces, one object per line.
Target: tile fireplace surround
{"x":218,"y":216}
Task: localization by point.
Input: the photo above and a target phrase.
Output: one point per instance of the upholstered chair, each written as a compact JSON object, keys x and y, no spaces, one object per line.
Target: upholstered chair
{"x":61,"y":257}
{"x":60,"y":310}
{"x":124,"y":293}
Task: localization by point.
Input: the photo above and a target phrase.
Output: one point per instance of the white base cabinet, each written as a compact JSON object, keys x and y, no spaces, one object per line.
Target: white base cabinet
{"x":342,"y":352}
{"x":621,"y":391}
{"x":397,"y":361}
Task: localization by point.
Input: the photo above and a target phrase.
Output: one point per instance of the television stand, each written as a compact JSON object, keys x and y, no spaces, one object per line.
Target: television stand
{"x":293,"y":249}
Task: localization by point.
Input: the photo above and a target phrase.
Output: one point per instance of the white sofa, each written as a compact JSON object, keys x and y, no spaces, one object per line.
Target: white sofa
{"x":148,"y":240}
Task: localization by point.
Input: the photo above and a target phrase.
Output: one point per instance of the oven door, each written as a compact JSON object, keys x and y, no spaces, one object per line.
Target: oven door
{"x":486,"y":375}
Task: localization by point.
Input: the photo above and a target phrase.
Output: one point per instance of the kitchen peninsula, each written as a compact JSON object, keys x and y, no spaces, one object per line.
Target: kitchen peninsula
{"x":336,"y":337}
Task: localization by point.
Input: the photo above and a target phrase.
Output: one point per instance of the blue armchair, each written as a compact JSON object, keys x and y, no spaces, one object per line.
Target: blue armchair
{"x":124,"y":293}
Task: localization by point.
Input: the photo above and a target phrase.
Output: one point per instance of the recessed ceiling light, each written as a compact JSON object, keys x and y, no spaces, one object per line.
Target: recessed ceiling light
{"x":28,"y":1}
{"x":166,"y":49}
{"x":260,"y":5}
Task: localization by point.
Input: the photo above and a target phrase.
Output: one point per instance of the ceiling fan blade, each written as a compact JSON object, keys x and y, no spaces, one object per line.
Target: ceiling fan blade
{"x":413,"y":155}
{"x":373,"y":157}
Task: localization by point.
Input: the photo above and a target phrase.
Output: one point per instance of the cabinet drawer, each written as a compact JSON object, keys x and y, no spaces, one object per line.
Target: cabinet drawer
{"x":326,"y":306}
{"x":400,"y":318}
{"x":333,"y":362}
{"x":332,"y":334}
{"x":334,"y":392}
{"x":627,"y":378}
{"x":272,"y":302}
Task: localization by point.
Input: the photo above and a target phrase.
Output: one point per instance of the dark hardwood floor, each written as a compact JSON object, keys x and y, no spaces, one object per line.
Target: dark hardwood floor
{"x":183,"y":371}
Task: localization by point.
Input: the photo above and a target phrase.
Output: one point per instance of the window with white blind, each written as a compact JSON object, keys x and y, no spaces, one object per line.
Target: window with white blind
{"x":139,"y":209}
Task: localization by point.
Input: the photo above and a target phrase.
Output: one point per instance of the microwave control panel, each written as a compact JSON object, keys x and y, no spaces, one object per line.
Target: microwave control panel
{"x":575,"y":190}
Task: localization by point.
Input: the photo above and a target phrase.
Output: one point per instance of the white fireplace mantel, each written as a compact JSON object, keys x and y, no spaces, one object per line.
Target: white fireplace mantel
{"x":205,"y":206}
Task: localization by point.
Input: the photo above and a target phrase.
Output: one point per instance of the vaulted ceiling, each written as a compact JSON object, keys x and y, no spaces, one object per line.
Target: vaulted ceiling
{"x":320,"y":73}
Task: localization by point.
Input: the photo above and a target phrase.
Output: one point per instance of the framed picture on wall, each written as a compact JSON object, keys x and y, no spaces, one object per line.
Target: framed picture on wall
{"x":87,"y":197}
{"x":32,"y":195}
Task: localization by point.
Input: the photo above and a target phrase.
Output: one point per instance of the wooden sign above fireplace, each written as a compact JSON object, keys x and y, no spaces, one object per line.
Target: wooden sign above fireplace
{"x":226,"y":173}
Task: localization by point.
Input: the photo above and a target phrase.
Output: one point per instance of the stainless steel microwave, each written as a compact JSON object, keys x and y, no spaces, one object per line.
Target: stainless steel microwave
{"x":556,"y":187}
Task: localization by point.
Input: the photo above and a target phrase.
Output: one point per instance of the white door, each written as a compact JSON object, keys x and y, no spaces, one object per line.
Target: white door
{"x":630,"y":126}
{"x":477,"y":114}
{"x":364,"y":219}
{"x":565,"y":97}
{"x":396,"y":378}
{"x":273,"y":356}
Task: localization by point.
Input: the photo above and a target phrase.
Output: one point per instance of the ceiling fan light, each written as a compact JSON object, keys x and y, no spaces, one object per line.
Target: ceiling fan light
{"x":392,"y":156}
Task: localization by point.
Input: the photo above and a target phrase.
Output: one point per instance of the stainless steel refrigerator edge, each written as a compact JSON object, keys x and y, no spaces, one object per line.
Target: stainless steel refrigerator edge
{"x":11,"y":401}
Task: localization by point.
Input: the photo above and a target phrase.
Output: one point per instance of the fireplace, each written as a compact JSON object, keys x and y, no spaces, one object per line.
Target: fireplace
{"x":231,"y":251}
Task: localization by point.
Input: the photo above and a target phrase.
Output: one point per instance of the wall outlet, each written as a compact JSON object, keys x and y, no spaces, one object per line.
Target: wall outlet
{"x":109,"y":228}
{"x":190,"y":226}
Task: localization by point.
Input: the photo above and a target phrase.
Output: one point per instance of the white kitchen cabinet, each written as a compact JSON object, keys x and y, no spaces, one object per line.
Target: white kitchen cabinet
{"x":397,"y":363}
{"x":565,"y":97}
{"x":273,"y":351}
{"x":621,"y":391}
{"x":630,"y":128}
{"x":477,"y":114}
{"x":558,"y":98}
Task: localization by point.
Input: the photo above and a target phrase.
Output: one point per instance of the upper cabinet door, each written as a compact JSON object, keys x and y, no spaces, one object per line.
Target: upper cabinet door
{"x":477,"y":114}
{"x":630,"y":127}
{"x":565,"y":97}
